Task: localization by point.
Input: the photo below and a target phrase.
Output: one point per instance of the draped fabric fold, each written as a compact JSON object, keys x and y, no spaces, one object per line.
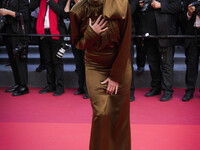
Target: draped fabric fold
{"x":113,"y":9}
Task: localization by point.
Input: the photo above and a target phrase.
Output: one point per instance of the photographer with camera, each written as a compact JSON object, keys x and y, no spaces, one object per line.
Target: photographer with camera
{"x":50,"y":22}
{"x":192,"y":46}
{"x":158,"y":18}
{"x":16,"y":14}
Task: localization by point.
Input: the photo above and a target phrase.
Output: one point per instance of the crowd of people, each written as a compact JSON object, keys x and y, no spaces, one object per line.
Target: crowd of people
{"x":148,"y":17}
{"x":42,"y":17}
{"x":168,"y":17}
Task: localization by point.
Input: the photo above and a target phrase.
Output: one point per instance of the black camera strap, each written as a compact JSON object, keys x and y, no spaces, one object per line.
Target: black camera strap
{"x":22,"y":23}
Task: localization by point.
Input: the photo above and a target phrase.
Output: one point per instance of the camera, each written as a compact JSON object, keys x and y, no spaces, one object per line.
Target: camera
{"x":21,"y":50}
{"x":62,"y":50}
{"x":147,"y":3}
{"x":2,"y":22}
{"x":197,"y":6}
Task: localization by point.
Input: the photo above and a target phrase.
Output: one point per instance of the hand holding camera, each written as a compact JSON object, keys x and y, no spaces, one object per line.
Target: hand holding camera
{"x":145,"y":4}
{"x":191,"y":9}
{"x":155,"y":4}
{"x":3,"y":12}
{"x":194,"y":6}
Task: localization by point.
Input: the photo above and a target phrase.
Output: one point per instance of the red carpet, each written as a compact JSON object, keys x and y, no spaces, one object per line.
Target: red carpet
{"x":45,"y":122}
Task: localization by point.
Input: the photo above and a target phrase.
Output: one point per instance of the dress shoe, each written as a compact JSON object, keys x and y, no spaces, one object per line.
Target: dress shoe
{"x":140,"y":69}
{"x":8,"y":65}
{"x":10,"y":90}
{"x":40,"y":68}
{"x":86,"y":96}
{"x":132,"y":99}
{"x":58,"y":92}
{"x":166,"y":96}
{"x":78,"y":92}
{"x":153,"y":92}
{"x":21,"y":91}
{"x":132,"y":96}
{"x":187,"y":96}
{"x":47,"y":89}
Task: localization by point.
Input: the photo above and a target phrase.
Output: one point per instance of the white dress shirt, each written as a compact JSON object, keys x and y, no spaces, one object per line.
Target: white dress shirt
{"x":46,"y":19}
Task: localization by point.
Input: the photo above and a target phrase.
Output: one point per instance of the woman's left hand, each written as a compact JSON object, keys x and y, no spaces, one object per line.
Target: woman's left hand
{"x":112,"y":86}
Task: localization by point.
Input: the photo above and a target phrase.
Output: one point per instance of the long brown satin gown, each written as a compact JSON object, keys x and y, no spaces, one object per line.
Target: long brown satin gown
{"x":106,"y":55}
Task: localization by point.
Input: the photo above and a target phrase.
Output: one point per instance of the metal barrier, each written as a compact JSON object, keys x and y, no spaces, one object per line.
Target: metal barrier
{"x":133,"y":36}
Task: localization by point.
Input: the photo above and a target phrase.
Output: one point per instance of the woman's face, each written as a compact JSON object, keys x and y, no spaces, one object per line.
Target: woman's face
{"x":76,"y":1}
{"x":95,"y":0}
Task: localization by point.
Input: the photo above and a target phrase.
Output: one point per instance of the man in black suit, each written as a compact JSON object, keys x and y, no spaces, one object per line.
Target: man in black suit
{"x":159,"y":19}
{"x":50,"y":21}
{"x":79,"y":58}
{"x":133,"y":6}
{"x":80,"y":70}
{"x":140,"y":50}
{"x":192,"y":47}
{"x":13,"y":11}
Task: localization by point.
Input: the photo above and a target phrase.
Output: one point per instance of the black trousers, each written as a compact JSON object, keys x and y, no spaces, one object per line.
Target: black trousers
{"x":18,"y":65}
{"x":80,"y":68}
{"x":35,"y":40}
{"x":141,"y":53}
{"x":192,"y":62}
{"x":54,"y":65}
{"x":42,"y":60}
{"x":161,"y":62}
{"x":133,"y":76}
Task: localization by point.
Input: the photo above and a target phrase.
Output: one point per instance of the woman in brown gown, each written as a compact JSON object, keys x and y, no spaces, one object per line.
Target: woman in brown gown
{"x":107,"y":41}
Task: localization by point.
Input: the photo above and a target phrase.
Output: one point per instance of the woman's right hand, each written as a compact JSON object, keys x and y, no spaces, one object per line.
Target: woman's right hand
{"x":99,"y":25}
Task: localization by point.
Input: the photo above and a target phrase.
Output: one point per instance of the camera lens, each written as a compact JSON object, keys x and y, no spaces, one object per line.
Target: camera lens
{"x":60,"y":52}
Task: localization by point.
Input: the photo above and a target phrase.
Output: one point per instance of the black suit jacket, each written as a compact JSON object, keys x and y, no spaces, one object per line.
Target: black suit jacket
{"x":160,"y":21}
{"x":189,"y":23}
{"x":133,"y":6}
{"x":58,"y":8}
{"x":14,"y":24}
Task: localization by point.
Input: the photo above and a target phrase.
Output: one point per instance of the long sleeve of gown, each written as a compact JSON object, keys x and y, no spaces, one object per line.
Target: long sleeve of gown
{"x":120,"y":63}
